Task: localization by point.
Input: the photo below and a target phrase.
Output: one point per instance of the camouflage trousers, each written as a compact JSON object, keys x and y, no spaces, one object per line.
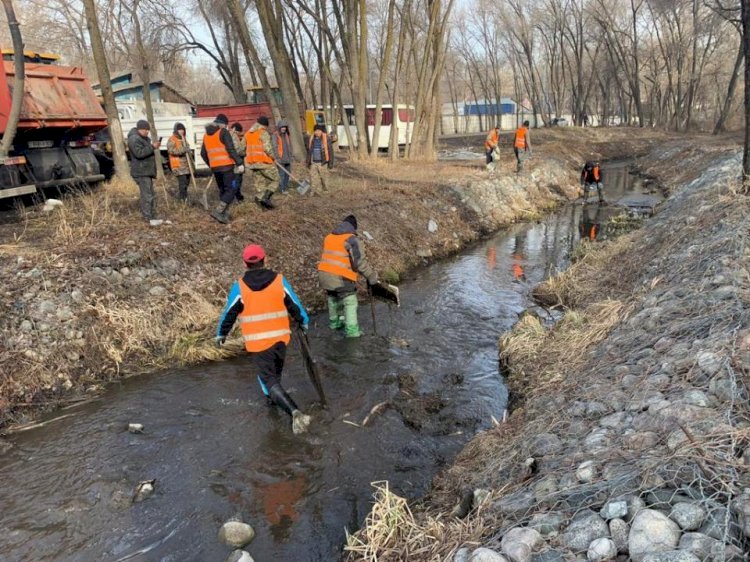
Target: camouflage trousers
{"x":264,"y":179}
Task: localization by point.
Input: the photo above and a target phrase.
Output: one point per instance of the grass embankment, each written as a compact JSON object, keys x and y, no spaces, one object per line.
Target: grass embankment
{"x":91,"y":293}
{"x":646,"y":376}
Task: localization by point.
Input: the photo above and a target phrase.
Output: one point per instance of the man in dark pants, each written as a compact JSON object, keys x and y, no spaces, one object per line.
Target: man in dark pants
{"x":591,"y":178}
{"x":143,"y":166}
{"x":263,"y":302}
{"x":179,"y":152}
{"x":219,"y":153}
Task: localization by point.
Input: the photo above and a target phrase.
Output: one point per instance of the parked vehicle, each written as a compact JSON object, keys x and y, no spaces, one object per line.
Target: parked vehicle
{"x":59,"y":115}
{"x":402,"y":119}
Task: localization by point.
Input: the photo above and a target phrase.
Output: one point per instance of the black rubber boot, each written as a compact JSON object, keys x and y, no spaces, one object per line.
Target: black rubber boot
{"x":266,"y":201}
{"x":221,"y":213}
{"x":300,"y":421}
{"x":282,"y":399}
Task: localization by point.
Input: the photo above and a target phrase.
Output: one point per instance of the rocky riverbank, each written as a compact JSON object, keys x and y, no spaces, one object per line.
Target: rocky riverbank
{"x":630,"y":434}
{"x":91,"y":294}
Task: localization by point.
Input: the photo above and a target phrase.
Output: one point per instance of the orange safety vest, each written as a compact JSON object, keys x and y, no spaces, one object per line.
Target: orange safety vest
{"x":255,"y":153}
{"x":492,"y":142}
{"x":217,"y":152}
{"x":280,"y":147}
{"x":597,"y":175}
{"x":264,"y":320}
{"x":335,"y":258}
{"x":520,"y":141}
{"x":324,"y":140}
{"x":175,"y":162}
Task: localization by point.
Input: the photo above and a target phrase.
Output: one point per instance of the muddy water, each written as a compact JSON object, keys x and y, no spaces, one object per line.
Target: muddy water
{"x":216,"y":450}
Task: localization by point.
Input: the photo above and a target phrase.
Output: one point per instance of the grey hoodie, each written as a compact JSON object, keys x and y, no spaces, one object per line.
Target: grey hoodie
{"x":142,"y":160}
{"x":286,"y":156}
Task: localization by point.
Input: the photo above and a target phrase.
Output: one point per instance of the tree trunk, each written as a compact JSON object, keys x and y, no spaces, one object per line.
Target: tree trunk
{"x":271,"y":23}
{"x":746,"y":47}
{"x":237,"y":14}
{"x":381,"y":82}
{"x":727,"y":106}
{"x":102,"y":70}
{"x":18,"y":79}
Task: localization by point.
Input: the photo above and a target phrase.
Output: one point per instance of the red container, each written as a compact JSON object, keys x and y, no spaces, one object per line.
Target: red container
{"x":245,"y":114}
{"x":54,"y":97}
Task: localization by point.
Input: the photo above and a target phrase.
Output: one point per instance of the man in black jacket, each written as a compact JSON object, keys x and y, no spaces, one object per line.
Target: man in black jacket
{"x":143,"y":166}
{"x":222,"y":157}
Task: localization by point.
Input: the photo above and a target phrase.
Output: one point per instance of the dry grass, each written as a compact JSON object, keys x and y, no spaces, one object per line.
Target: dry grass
{"x":392,"y":533}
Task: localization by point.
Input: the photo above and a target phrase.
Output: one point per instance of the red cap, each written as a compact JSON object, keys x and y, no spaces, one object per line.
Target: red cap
{"x":253,"y":254}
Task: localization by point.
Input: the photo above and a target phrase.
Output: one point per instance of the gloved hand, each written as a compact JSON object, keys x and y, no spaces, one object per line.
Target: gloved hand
{"x":304,"y":327}
{"x":220,"y":340}
{"x":239,"y":169}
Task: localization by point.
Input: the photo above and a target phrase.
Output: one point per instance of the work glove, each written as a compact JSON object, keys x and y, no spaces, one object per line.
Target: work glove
{"x":305,"y":328}
{"x":220,"y":340}
{"x":239,"y":169}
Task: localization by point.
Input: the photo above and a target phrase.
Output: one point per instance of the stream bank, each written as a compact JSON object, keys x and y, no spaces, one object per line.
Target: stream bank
{"x":92,"y":295}
{"x":631,"y":439}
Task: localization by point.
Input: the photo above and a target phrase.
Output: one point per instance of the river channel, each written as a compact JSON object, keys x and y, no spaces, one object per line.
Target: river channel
{"x":216,"y":450}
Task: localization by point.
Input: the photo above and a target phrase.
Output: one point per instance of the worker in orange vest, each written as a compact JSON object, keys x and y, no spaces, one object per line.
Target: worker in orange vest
{"x":179,"y":152}
{"x":342,"y":261}
{"x":264,"y":304}
{"x":491,"y":142}
{"x":260,"y":160}
{"x":219,"y":153}
{"x":521,"y":145}
{"x":591,"y":178}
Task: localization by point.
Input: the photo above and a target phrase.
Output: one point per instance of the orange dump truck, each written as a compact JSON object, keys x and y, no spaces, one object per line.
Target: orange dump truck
{"x":60,"y":113}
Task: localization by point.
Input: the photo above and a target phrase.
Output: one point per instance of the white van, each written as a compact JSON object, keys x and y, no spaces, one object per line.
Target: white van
{"x":402,"y":119}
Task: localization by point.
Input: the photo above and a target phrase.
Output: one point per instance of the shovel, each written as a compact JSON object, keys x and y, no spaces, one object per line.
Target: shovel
{"x":303,"y":186}
{"x":204,"y":199}
{"x":311,"y":366}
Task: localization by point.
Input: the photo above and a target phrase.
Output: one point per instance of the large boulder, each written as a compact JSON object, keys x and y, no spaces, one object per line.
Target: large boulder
{"x":486,"y":555}
{"x":236,"y":534}
{"x":651,"y":532}
{"x":601,"y":550}
{"x":586,"y":527}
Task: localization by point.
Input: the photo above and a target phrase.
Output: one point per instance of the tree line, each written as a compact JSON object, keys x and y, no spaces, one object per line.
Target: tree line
{"x":672,"y":64}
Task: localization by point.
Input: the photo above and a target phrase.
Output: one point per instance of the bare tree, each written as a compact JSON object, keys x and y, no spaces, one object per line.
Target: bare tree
{"x":102,"y":69}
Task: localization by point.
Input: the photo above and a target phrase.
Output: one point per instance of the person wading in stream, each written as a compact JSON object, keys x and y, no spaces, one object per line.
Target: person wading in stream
{"x":263,"y":302}
{"x":342,"y":260}
{"x":591,"y":178}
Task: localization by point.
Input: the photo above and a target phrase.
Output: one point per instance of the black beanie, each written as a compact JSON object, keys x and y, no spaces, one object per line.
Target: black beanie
{"x":237,"y":127}
{"x":263,"y":120}
{"x":221,"y":118}
{"x":352,"y":220}
{"x":142,"y":124}
{"x":179,"y":127}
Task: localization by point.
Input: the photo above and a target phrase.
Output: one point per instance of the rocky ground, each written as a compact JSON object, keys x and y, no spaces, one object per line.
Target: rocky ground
{"x":90,"y":293}
{"x":629,"y":438}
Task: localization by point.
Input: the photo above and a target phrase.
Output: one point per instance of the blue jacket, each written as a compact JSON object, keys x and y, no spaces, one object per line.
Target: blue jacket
{"x":258,"y":279}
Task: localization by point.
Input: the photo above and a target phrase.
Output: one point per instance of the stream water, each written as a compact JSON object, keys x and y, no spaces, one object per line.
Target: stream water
{"x":216,"y":450}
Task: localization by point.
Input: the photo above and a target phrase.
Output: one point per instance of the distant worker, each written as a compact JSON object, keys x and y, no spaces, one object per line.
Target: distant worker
{"x":282,"y":140}
{"x":319,"y":158}
{"x":143,"y":166}
{"x":591,"y":178}
{"x":585,"y":119}
{"x":260,"y":160}
{"x":490,"y":143}
{"x":225,"y":162}
{"x":521,"y":145}
{"x":342,"y":260}
{"x":239,"y":145}
{"x":179,"y":152}
{"x":262,"y":301}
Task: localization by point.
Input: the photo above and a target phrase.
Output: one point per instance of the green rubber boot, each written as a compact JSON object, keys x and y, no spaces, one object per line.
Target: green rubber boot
{"x":350,"y":316}
{"x":334,"y":313}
